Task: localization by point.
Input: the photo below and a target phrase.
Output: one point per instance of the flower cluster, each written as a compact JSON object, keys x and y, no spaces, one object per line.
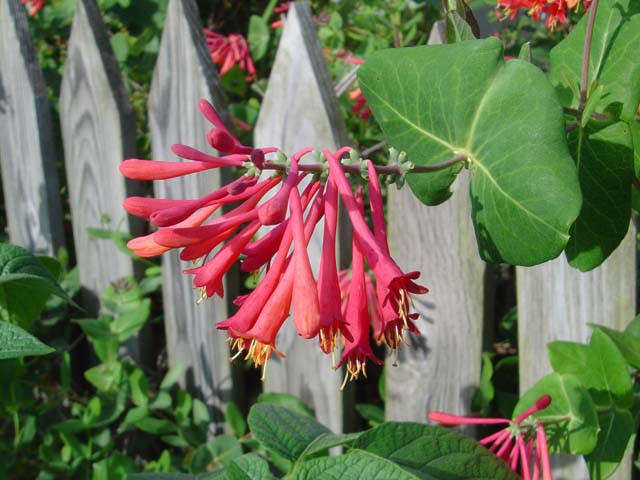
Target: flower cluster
{"x":332,"y":306}
{"x":522,"y":443}
{"x":280,"y":9}
{"x":226,"y":52}
{"x":555,"y":11}
{"x":34,"y":6}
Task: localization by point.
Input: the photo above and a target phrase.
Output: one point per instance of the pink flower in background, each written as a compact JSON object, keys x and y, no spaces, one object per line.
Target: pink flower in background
{"x":34,"y":6}
{"x":226,"y":52}
{"x":359,"y":106}
{"x":520,"y":442}
{"x":335,"y":308}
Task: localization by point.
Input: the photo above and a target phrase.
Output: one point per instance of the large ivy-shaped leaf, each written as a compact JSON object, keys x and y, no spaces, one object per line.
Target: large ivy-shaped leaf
{"x":614,"y":60}
{"x":616,"y":429}
{"x":439,"y":101}
{"x":605,"y":164}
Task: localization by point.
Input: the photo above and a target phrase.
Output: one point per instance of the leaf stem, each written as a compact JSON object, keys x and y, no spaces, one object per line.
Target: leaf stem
{"x":383,"y":169}
{"x":584,"y":77}
{"x":595,"y":115}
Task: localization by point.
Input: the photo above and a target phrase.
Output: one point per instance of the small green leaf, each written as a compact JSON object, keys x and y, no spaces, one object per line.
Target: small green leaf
{"x":372,"y":413}
{"x":120,"y":45}
{"x":27,"y":432}
{"x":132,"y":417}
{"x":139,"y":388}
{"x":485,"y":392}
{"x":15,"y":343}
{"x":128,"y":324}
{"x":525,"y":52}
{"x":96,"y":328}
{"x":627,"y":343}
{"x":161,"y":402}
{"x":568,"y":357}
{"x":606,"y":374}
{"x":458,"y":30}
{"x":329,"y":440}
{"x":171,"y":378}
{"x":286,"y":400}
{"x":258,"y":37}
{"x":161,"y":476}
{"x":616,"y":431}
{"x":233,"y":416}
{"x":104,"y":377}
{"x":155,"y":426}
{"x":286,"y":432}
{"x":184,"y":401}
{"x":569,"y":400}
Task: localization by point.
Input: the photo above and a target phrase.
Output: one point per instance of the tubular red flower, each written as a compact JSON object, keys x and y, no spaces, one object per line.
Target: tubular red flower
{"x":306,"y":308}
{"x":543,"y":448}
{"x":34,"y":6}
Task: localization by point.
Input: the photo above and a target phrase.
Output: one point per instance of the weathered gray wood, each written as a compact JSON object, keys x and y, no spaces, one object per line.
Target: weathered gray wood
{"x":98,"y":132}
{"x":557,"y":302}
{"x":29,"y":178}
{"x":184,"y":73}
{"x":299,"y":109}
{"x":441,"y":368}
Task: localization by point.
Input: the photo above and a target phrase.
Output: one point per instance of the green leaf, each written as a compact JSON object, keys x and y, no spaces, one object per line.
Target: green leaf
{"x":568,"y":357}
{"x":200,"y":413}
{"x":233,"y":416}
{"x":161,"y":402}
{"x":27,"y":432}
{"x":219,"y":451}
{"x":410,"y":451}
{"x":171,"y":378}
{"x":634,"y":128}
{"x":458,"y":30}
{"x":139,"y":388}
{"x":616,"y":431}
{"x":372,"y":413}
{"x":96,"y":328}
{"x":183,"y":405}
{"x":132,"y":417}
{"x":606,"y":374}
{"x":161,"y":476}
{"x":525,"y":52}
{"x":627,"y":343}
{"x":614,"y":61}
{"x":439,"y":101}
{"x":15,"y":343}
{"x":248,"y":467}
{"x":286,"y":400}
{"x":329,"y":440}
{"x":485,"y":392}
{"x":105,"y":376}
{"x":286,"y":432}
{"x":155,"y":426}
{"x":605,"y":166}
{"x":25,"y":285}
{"x":574,"y":425}
{"x":120,"y":45}
{"x":258,"y":37}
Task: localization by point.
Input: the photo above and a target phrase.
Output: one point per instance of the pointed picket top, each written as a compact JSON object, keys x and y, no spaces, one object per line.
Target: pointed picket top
{"x":439,"y":369}
{"x":30,"y":183}
{"x":558,"y":302}
{"x":98,"y":132}
{"x":184,"y":73}
{"x":299,"y":109}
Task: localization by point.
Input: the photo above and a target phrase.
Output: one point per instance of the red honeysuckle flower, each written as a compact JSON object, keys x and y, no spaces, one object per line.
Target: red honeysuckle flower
{"x":226,"y":52}
{"x":335,"y":305}
{"x":509,"y":443}
{"x":34,"y":6}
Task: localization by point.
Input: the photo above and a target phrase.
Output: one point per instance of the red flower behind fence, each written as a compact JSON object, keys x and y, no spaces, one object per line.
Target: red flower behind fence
{"x":555,"y":11}
{"x":34,"y":6}
{"x":226,"y":52}
{"x":327,"y":307}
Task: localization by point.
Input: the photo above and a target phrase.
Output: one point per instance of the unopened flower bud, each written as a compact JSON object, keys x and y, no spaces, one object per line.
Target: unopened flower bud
{"x":221,"y":140}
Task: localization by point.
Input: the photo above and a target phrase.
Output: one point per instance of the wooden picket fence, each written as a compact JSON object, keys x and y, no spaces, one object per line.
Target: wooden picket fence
{"x":440,"y":369}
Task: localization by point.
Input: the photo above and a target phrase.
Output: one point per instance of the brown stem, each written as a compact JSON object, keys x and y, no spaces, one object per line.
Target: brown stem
{"x":383,"y":169}
{"x":595,"y":115}
{"x":584,"y":77}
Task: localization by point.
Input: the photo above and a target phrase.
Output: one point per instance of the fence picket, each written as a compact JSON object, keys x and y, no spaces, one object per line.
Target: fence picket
{"x":30,"y":182}
{"x":98,"y":132}
{"x":440,"y":369}
{"x":557,"y":302}
{"x":299,"y":109}
{"x":184,"y":73}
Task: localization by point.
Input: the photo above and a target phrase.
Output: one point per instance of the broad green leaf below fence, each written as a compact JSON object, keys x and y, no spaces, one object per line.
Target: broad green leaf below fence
{"x":439,"y":101}
{"x":577,"y":430}
{"x":248,"y":467}
{"x":627,"y":343}
{"x":605,"y":166}
{"x":282,"y":430}
{"x":25,"y":285}
{"x":568,"y":357}
{"x":15,"y":342}
{"x":410,"y":451}
{"x":614,"y":60}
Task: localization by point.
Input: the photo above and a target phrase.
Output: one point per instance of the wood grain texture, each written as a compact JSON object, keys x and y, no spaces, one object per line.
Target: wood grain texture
{"x":98,"y":132}
{"x":29,"y":177}
{"x":557,"y":302}
{"x":441,"y":368}
{"x":299,"y":109}
{"x":184,"y":73}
